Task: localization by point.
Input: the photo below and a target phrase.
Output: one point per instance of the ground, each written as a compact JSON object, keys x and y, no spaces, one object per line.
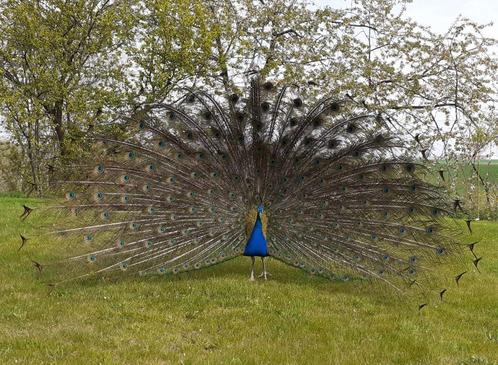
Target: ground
{"x":216,"y":316}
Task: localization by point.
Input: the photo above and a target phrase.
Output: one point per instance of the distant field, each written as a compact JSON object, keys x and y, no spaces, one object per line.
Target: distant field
{"x":216,"y":316}
{"x":469,"y":187}
{"x":487,"y":169}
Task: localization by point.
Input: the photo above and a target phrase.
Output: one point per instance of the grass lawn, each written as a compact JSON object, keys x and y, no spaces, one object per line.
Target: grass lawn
{"x":216,"y":316}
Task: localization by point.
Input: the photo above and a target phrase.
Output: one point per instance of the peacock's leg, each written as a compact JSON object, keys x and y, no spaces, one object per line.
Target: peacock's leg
{"x":264,"y":273}
{"x":253,"y":259}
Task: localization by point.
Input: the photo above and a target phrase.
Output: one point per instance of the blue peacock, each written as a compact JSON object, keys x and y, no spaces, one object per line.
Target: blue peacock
{"x":322,"y":186}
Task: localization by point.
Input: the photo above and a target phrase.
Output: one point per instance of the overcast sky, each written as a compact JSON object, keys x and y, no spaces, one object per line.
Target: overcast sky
{"x":440,"y":14}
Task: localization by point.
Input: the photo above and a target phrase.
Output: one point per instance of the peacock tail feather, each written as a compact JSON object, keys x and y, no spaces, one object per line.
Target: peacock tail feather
{"x":340,"y":193}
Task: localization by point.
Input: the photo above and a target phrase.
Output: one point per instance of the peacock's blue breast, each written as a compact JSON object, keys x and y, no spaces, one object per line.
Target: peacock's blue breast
{"x":256,"y":245}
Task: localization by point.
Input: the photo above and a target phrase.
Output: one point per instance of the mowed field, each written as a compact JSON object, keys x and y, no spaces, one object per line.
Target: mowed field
{"x":216,"y":316}
{"x":469,"y":187}
{"x":488,"y":169}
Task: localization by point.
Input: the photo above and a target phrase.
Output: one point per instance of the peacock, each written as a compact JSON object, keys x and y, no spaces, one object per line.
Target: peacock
{"x":323,"y":186}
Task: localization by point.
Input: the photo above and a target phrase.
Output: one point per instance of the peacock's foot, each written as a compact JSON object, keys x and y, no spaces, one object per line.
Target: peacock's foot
{"x":264,"y":274}
{"x":251,"y":278}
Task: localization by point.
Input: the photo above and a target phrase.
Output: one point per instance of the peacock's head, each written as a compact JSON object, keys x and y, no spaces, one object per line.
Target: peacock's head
{"x":260,"y":208}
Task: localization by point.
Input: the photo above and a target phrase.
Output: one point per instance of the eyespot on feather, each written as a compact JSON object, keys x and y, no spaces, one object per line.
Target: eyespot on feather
{"x":297,"y":102}
{"x":268,"y":86}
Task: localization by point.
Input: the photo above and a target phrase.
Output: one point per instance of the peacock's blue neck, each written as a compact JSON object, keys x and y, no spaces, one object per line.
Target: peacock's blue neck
{"x":256,"y":244}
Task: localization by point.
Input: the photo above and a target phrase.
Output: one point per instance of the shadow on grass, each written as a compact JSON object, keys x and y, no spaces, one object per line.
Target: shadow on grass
{"x":233,"y":273}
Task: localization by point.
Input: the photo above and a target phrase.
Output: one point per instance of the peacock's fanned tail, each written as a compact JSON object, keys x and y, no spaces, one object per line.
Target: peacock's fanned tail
{"x":338,"y":193}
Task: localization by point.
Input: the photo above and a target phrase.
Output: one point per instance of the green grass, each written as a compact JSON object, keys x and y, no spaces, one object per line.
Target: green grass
{"x":216,"y":316}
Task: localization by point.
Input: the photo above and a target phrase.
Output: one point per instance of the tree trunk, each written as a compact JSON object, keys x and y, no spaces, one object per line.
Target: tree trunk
{"x":59,"y":127}
{"x":35,"y":185}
